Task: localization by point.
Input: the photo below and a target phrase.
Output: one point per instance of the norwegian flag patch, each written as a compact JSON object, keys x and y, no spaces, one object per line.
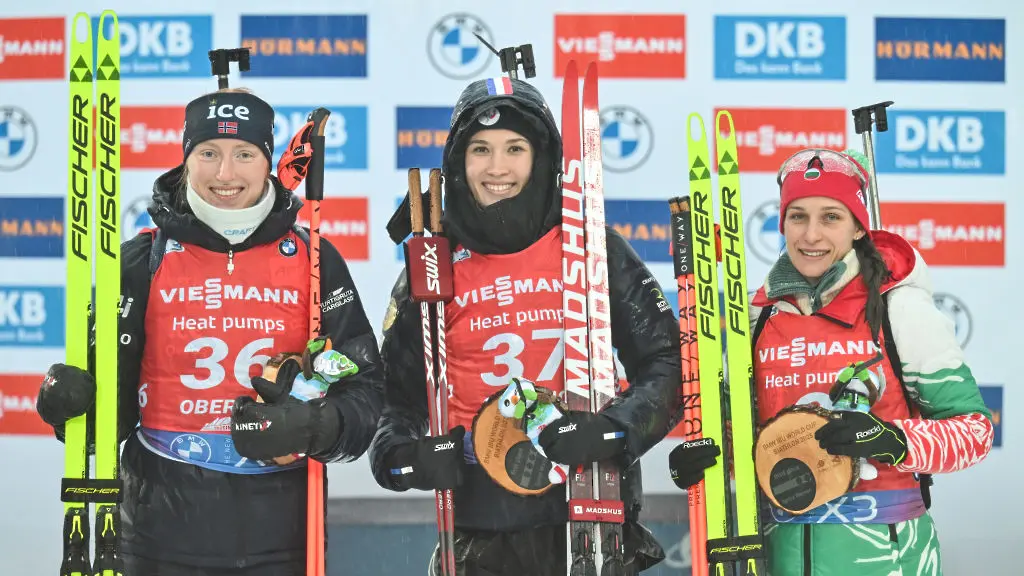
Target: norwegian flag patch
{"x":227,"y":127}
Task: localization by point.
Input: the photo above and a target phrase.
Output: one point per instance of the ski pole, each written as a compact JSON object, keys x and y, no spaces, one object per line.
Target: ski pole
{"x":862,"y":120}
{"x":315,"y":557}
{"x":428,"y":265}
{"x":682,"y":261}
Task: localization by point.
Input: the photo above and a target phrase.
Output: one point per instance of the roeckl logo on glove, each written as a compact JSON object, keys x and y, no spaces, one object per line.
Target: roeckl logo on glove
{"x":445,"y":446}
{"x":871,"y":432}
{"x":701,"y":442}
{"x":252,"y":426}
{"x":567,"y":428}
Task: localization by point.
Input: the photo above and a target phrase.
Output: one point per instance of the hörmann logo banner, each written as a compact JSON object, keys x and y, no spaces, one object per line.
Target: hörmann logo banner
{"x":940,"y":49}
{"x":319,"y":45}
{"x":421,"y":134}
{"x":32,"y":227}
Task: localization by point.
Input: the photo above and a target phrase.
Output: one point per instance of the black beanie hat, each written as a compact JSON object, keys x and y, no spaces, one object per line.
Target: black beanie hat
{"x":238,"y":115}
{"x":498,"y":117}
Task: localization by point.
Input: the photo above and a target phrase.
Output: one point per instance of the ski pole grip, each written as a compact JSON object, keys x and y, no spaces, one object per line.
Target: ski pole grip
{"x":315,"y":172}
{"x":435,"y":200}
{"x":428,"y":260}
{"x":415,"y":202}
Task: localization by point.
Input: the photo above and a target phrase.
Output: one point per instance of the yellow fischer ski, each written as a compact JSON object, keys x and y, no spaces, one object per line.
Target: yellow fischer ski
{"x":734,"y":533}
{"x":78,"y":290}
{"x":94,"y":236}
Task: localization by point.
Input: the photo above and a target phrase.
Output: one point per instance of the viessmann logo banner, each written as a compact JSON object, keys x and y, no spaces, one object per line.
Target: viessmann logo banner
{"x":151,"y":136}
{"x":345,"y":222}
{"x":18,"y":416}
{"x":765,"y":137}
{"x":32,"y":48}
{"x":623,"y":45}
{"x":951,"y":233}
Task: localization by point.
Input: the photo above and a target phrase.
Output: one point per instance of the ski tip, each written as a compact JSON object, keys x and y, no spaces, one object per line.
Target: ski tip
{"x":571,"y":69}
{"x":104,"y":16}
{"x":592,"y":69}
{"x":724,"y":124}
{"x":695,"y":127}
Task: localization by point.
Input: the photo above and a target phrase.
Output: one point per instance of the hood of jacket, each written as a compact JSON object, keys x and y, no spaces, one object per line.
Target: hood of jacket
{"x":172,"y":214}
{"x":531,"y":213}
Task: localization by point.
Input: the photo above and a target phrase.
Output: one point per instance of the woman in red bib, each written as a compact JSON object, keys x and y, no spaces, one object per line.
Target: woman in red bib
{"x":503,"y":206}
{"x":219,"y":287}
{"x":841,"y":294}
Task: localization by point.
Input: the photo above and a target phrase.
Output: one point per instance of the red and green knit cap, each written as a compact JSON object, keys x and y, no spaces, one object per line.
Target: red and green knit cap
{"x":829,"y":173}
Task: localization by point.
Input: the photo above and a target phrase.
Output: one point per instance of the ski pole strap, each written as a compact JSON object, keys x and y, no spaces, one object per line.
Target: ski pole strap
{"x":735,"y":549}
{"x":90,"y":490}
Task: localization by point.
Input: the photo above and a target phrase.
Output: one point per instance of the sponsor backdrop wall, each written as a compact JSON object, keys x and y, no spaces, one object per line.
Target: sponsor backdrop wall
{"x":390,"y":71}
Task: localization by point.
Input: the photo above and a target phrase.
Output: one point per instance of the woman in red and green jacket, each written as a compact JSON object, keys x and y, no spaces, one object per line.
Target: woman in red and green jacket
{"x":842,"y":293}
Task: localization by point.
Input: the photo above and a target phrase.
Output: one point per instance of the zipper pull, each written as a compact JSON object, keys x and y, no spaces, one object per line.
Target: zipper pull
{"x":231,"y":262}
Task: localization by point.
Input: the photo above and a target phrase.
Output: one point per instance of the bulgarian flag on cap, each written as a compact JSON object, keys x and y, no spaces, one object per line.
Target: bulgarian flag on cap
{"x":499,"y":85}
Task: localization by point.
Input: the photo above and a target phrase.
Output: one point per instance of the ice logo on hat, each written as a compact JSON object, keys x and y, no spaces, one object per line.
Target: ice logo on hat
{"x":489,"y":117}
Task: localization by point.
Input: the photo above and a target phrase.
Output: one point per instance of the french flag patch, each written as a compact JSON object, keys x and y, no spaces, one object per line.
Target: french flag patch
{"x":499,"y":85}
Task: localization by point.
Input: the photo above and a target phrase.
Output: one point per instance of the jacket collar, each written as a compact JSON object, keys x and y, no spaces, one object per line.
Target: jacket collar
{"x":171,"y":214}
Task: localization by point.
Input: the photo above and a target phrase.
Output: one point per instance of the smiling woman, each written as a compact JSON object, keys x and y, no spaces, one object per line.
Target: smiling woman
{"x":498,"y":163}
{"x":845,"y":295}
{"x":220,"y":290}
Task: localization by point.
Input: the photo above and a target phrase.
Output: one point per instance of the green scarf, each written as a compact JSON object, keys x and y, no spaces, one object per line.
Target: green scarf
{"x":785,"y":280}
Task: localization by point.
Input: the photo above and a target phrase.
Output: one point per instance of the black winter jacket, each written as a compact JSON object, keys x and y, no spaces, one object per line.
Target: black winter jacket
{"x":178,"y":512}
{"x":646,"y":336}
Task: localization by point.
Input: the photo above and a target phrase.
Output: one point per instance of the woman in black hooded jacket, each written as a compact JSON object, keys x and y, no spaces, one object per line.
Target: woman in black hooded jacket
{"x":210,"y":483}
{"x":502,"y":171}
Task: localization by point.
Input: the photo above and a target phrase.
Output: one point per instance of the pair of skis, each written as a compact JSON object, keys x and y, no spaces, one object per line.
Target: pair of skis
{"x":93,"y":212}
{"x":596,"y":512}
{"x":721,"y":538}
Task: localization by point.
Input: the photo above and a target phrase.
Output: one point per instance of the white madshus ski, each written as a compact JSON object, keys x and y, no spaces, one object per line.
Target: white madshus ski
{"x":596,"y":511}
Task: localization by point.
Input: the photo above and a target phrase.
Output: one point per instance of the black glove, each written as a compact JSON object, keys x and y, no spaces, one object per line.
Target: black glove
{"x":430,"y":463}
{"x":688,"y":461}
{"x":581,"y":438}
{"x":282,"y":425}
{"x":862,"y":435}
{"x":66,"y":392}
